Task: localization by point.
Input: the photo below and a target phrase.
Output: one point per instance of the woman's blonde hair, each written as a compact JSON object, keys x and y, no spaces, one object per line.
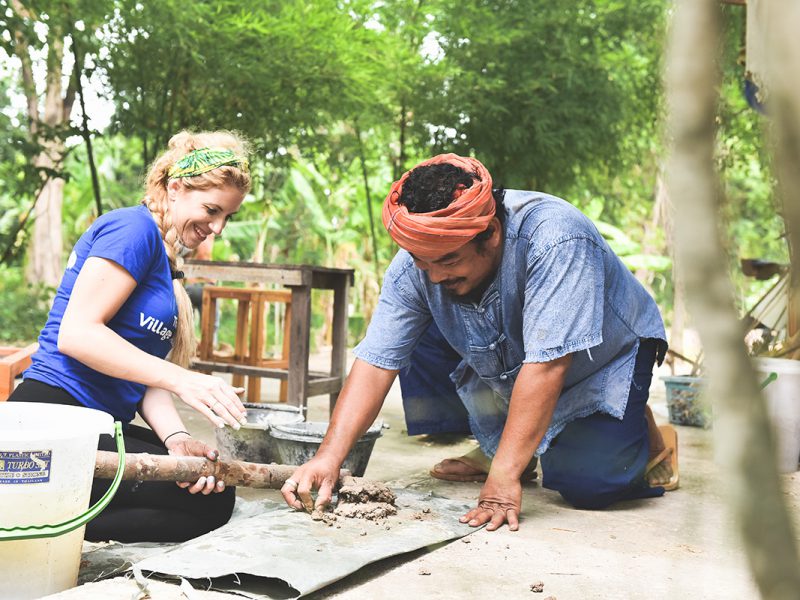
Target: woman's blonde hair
{"x":157,"y":203}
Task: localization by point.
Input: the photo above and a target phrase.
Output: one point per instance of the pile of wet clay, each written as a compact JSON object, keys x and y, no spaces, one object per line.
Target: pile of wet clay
{"x":361,"y":499}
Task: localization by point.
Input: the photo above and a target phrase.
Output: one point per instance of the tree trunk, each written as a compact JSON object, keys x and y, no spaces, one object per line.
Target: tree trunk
{"x":743,"y":435}
{"x":45,"y":263}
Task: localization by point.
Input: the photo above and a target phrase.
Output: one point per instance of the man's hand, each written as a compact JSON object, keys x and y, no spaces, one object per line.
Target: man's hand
{"x":500,"y":502}
{"x":530,"y":410}
{"x":317,"y":474}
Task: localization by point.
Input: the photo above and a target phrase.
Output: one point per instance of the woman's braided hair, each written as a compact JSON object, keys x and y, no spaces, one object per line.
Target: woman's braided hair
{"x":157,"y":202}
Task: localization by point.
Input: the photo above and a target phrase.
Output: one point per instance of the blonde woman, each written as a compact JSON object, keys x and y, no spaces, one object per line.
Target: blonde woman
{"x":120,"y":335}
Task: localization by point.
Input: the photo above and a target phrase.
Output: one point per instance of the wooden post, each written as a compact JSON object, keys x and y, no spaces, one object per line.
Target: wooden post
{"x":239,"y":350}
{"x":339,"y":341}
{"x":256,"y":345}
{"x":286,"y":350}
{"x":299,"y":347}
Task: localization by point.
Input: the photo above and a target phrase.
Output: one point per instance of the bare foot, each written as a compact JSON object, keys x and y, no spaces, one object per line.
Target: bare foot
{"x":474,"y":466}
{"x":455,"y":467}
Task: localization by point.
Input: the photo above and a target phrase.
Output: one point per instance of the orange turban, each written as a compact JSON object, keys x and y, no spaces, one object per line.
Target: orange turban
{"x":445,"y":230}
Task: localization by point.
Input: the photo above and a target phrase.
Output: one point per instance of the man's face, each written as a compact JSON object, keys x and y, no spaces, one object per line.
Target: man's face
{"x":467,"y":272}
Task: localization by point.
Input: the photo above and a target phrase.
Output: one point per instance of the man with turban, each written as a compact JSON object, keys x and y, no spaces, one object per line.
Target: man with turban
{"x":509,"y":317}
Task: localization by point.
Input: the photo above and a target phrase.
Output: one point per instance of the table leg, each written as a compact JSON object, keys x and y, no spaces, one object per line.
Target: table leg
{"x":285,"y":350}
{"x":339,"y":336}
{"x":240,"y":348}
{"x":256,"y":348}
{"x":299,"y":346}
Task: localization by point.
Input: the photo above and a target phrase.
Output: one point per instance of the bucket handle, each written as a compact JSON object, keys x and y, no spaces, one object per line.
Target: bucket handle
{"x":770,"y":378}
{"x":45,"y":531}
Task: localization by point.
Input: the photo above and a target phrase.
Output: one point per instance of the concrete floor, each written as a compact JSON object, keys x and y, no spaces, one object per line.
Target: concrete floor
{"x":681,"y":545}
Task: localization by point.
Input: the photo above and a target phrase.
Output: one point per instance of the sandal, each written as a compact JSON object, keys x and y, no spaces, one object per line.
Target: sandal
{"x":670,"y":437}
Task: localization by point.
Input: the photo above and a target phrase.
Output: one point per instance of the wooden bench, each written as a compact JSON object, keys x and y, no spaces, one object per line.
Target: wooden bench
{"x":252,"y":307}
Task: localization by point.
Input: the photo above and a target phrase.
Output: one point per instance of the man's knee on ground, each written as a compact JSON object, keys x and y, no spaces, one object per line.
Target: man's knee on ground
{"x":593,"y":489}
{"x":582,"y":495}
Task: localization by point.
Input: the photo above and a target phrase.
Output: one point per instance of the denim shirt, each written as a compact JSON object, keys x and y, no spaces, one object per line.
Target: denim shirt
{"x":559,"y":290}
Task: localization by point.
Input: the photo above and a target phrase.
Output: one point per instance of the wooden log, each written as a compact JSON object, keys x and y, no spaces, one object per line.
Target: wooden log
{"x":161,"y":467}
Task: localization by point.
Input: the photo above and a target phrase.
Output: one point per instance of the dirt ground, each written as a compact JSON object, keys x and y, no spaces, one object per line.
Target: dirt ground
{"x":679,"y":546}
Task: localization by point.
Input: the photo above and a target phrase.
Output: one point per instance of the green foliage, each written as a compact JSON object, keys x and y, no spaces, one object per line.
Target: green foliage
{"x":272,"y":70}
{"x":541,"y":89}
{"x":751,"y":215}
{"x":120,"y":174}
{"x":630,"y":251}
{"x":341,"y":96}
{"x":19,"y":179}
{"x":23,"y":307}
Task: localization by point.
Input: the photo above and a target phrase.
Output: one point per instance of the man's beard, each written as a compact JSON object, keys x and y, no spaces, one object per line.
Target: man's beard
{"x":474,"y":295}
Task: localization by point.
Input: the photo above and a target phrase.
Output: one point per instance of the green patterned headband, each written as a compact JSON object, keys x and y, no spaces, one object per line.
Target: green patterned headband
{"x":203,"y":160}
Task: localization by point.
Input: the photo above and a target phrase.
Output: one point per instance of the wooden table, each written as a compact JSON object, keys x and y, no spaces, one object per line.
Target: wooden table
{"x":300,"y":279}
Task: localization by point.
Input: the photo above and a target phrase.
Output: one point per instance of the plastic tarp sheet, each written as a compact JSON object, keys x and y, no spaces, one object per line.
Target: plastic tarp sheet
{"x":270,"y":551}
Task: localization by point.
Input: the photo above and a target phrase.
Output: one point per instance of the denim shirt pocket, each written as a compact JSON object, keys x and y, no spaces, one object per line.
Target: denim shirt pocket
{"x":503,"y":384}
{"x":498,"y":360}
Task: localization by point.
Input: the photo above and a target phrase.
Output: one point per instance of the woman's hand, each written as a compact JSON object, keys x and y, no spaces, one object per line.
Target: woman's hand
{"x":183,"y":444}
{"x":213,"y":397}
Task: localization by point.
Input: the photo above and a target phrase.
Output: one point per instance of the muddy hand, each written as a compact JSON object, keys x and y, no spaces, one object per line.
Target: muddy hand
{"x":188,"y":446}
{"x":500,"y":502}
{"x":316,"y":474}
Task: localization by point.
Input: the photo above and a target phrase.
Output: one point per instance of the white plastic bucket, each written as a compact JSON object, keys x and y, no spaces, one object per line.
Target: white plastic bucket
{"x":47,"y":457}
{"x":783,"y":407}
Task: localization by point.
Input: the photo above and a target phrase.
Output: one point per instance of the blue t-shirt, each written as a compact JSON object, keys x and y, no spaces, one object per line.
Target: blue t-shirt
{"x":147,"y":319}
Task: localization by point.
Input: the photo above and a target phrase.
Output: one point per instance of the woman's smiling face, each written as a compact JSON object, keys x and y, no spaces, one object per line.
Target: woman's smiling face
{"x":198,"y":213}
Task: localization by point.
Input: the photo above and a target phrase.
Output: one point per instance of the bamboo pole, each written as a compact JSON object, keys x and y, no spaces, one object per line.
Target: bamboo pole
{"x":159,"y":467}
{"x":744,"y":441}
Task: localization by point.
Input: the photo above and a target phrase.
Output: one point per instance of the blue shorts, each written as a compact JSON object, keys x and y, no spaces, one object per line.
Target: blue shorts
{"x":594,"y":462}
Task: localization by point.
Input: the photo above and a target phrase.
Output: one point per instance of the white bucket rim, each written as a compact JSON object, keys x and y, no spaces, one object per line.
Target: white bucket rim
{"x":67,"y":422}
{"x":779,"y":365}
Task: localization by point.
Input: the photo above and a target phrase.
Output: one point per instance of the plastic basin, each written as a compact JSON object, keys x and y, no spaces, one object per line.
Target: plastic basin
{"x":298,"y":443}
{"x":685,"y":401}
{"x":252,"y":443}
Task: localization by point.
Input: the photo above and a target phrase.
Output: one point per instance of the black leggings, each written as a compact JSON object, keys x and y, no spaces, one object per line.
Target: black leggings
{"x":149,"y":511}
